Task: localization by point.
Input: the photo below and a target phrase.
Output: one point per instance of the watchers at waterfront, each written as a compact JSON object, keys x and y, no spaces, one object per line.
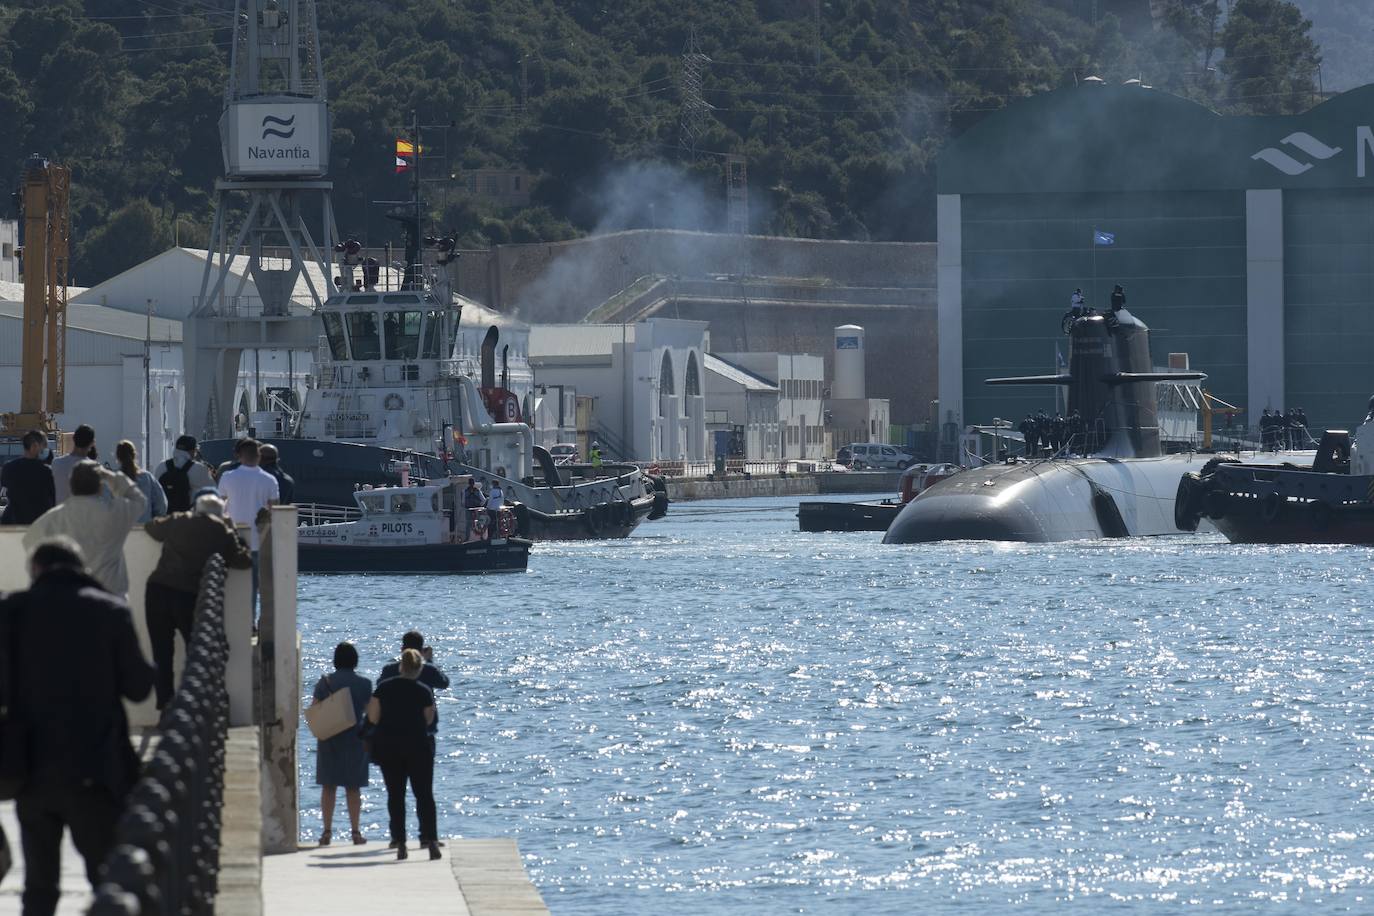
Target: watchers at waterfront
{"x":183,"y":474}
{"x":80,"y":764}
{"x":27,"y":482}
{"x":286,"y":484}
{"x":98,"y":523}
{"x":248,"y":490}
{"x":83,"y":449}
{"x":402,"y":712}
{"x":188,"y":541}
{"x":342,"y":759}
{"x":155,"y":496}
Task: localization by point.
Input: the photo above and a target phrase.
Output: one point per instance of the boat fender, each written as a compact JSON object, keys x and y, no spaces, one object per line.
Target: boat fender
{"x":1108,"y":515}
{"x":1271,"y":506}
{"x":592,"y":516}
{"x":1188,"y":502}
{"x":1214,"y":504}
{"x":1322,"y":514}
{"x":1212,"y":463}
{"x":660,"y":508}
{"x":627,"y":514}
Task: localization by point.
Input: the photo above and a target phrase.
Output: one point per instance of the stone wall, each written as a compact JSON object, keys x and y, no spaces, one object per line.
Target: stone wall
{"x":563,"y":281}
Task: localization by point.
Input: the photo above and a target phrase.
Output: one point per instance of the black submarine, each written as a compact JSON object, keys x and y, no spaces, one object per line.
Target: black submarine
{"x":1124,"y":487}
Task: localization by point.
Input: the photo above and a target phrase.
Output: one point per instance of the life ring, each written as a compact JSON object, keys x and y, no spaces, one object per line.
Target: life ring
{"x":653,"y":470}
{"x":393,"y":401}
{"x":506,"y":523}
{"x":1271,"y":506}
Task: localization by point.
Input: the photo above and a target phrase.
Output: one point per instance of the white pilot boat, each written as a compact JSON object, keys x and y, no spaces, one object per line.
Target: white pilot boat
{"x":418,"y":527}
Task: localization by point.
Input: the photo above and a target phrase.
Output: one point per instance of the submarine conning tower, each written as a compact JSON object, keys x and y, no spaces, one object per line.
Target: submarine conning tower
{"x":1111,"y":384}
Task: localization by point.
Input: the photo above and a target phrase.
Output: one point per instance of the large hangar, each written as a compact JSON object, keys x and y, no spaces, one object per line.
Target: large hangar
{"x":1246,"y":242}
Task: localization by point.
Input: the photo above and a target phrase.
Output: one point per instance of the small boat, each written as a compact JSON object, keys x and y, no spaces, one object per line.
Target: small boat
{"x":872,"y":515}
{"x":418,"y":527}
{"x":1330,"y":502}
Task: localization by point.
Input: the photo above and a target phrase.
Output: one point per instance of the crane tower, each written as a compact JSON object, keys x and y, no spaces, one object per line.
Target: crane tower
{"x":274,"y":132}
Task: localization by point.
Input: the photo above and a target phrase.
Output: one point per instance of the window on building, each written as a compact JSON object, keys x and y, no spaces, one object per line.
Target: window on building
{"x":364,"y":336}
{"x":515,"y":183}
{"x":7,"y":250}
{"x":402,"y":334}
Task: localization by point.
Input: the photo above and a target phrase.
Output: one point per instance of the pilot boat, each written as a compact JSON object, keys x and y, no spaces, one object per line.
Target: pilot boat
{"x":418,"y":527}
{"x":871,"y":515}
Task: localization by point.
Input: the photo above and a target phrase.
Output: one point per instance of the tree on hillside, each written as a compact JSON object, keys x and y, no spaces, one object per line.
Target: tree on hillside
{"x":134,"y":233}
{"x":1271,"y":62}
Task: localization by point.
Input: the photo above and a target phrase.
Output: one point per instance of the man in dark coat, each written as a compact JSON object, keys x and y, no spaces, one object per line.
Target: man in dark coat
{"x":27,"y":482}
{"x":1027,"y":430}
{"x":286,"y":484}
{"x":81,"y":764}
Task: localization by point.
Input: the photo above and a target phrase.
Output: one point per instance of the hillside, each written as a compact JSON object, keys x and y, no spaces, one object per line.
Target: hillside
{"x":839,"y":108}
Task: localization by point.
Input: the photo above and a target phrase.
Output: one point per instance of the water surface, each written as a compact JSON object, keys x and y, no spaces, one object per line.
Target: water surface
{"x":724,"y":713}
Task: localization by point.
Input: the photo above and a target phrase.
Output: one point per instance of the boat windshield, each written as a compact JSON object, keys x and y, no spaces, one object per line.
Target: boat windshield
{"x":402,"y":334}
{"x":334,"y":331}
{"x":403,"y":502}
{"x":373,"y":502}
{"x":362,"y":332}
{"x":434,"y":326}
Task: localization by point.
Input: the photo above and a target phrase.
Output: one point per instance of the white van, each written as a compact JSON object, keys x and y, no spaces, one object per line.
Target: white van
{"x":877,"y":455}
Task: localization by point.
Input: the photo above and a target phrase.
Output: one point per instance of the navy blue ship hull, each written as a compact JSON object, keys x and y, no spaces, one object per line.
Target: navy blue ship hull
{"x":830,"y":516}
{"x":473,"y":558}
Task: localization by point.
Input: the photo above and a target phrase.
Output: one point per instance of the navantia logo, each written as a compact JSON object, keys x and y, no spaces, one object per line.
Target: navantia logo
{"x":274,"y":131}
{"x":1307,"y":144}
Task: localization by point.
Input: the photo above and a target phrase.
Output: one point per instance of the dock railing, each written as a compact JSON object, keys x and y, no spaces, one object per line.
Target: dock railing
{"x":166,"y":854}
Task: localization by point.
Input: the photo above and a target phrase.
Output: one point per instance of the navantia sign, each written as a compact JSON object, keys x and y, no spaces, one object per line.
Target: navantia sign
{"x":287,"y":138}
{"x":1300,"y":152}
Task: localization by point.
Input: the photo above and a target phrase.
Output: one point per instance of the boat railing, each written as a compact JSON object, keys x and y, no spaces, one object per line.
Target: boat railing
{"x":322,"y":514}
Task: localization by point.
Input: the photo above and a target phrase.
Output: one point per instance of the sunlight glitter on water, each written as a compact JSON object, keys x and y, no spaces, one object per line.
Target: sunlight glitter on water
{"x":722,"y":712}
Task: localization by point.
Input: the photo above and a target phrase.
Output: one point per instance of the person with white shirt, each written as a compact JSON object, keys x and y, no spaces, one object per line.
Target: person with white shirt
{"x":99,"y":524}
{"x":83,"y":448}
{"x":247,"y":491}
{"x":496,"y":498}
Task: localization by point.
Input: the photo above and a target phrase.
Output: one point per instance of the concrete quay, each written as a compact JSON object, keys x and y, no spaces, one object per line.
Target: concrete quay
{"x":735,"y":486}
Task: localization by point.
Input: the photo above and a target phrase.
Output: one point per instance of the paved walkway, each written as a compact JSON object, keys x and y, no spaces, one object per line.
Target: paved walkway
{"x":475,"y":878}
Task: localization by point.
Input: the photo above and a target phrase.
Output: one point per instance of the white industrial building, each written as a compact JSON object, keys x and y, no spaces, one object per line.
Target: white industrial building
{"x":800,"y":379}
{"x":645,"y":379}
{"x":9,"y":251}
{"x":853,"y":417}
{"x":743,"y":406}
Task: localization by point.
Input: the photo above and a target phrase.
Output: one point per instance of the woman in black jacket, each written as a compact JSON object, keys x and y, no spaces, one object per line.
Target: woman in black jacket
{"x":401,"y":711}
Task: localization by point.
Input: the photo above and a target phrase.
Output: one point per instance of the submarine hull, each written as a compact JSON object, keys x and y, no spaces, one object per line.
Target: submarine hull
{"x":1052,"y":500}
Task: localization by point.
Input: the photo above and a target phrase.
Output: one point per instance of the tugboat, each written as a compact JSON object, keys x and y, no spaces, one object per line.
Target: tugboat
{"x":394,"y":383}
{"x":871,"y":515}
{"x":418,"y":527}
{"x":1330,"y":502}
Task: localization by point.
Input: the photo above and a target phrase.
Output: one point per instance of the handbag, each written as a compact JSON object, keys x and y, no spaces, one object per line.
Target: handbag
{"x":333,"y":715}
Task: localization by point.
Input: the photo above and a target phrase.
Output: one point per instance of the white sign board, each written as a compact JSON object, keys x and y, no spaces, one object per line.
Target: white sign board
{"x":276,"y":138}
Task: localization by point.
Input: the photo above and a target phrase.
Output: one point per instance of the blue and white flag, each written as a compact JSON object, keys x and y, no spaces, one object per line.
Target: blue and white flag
{"x":1103,"y":238}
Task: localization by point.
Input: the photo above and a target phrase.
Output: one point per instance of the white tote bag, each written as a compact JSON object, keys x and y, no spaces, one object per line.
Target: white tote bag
{"x":333,"y":715}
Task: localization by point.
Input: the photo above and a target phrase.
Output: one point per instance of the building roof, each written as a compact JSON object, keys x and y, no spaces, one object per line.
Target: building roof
{"x":1133,"y":138}
{"x":83,"y":316}
{"x":737,"y":374}
{"x":14,"y":292}
{"x":578,"y":339}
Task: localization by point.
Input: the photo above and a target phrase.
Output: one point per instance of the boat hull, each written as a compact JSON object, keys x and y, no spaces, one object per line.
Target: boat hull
{"x":835,"y":516}
{"x":1280,"y":504}
{"x":473,"y":558}
{"x":328,"y":474}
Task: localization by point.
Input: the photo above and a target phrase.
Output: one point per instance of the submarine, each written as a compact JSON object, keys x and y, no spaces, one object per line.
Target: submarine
{"x":1124,"y":487}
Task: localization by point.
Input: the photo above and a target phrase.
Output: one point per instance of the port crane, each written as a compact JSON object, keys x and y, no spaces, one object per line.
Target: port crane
{"x":44,"y":202}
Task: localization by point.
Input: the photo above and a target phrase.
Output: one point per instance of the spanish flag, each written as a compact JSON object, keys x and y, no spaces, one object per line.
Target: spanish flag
{"x":405,"y":155}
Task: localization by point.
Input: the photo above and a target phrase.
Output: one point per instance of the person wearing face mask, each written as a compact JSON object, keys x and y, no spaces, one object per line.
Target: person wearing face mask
{"x":27,"y":483}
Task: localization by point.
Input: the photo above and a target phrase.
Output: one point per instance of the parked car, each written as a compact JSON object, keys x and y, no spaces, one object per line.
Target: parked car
{"x":564,"y":453}
{"x":877,"y":455}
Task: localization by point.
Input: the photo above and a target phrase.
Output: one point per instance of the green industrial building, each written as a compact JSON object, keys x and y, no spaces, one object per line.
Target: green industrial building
{"x":1245,"y":242}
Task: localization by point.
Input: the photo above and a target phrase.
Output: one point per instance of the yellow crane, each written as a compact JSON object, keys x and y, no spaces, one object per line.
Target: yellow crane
{"x":1211,"y":404}
{"x":44,"y":199}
